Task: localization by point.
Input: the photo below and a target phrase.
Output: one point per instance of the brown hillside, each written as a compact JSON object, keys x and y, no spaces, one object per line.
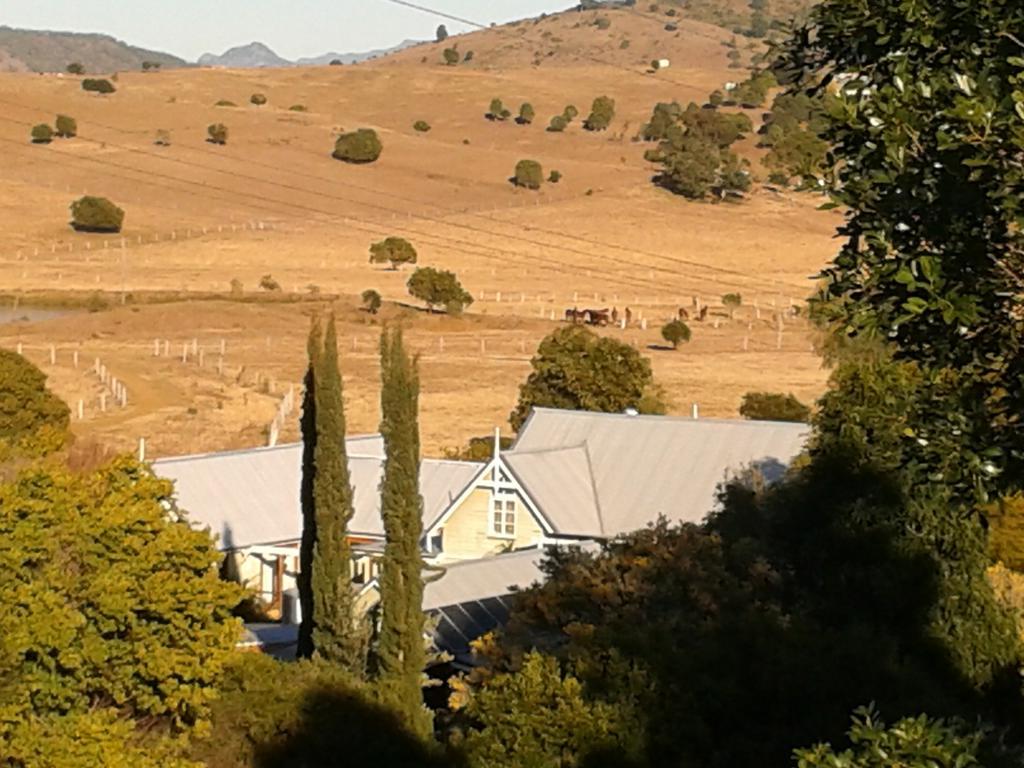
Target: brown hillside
{"x":273,"y":201}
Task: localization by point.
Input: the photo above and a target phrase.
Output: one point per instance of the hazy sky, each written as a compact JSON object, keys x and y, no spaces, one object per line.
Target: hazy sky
{"x":292,"y":28}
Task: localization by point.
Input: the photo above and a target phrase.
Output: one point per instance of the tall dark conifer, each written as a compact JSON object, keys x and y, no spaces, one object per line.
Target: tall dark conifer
{"x":401,"y":651}
{"x":308,"y":427}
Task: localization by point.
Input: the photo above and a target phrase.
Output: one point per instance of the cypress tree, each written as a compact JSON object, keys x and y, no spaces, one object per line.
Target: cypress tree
{"x":401,"y":651}
{"x":308,"y":426}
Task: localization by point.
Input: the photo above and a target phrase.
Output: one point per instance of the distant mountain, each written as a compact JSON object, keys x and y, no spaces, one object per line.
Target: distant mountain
{"x":44,"y":51}
{"x":244,"y":56}
{"x":256,"y":55}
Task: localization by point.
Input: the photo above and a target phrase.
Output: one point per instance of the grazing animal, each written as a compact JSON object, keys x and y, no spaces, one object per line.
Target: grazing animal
{"x":703,"y":314}
{"x":615,"y":315}
{"x":683,"y":314}
{"x":629,"y":316}
{"x":596,"y":316}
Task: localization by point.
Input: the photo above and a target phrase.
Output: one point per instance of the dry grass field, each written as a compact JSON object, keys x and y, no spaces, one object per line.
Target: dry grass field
{"x":273,"y":201}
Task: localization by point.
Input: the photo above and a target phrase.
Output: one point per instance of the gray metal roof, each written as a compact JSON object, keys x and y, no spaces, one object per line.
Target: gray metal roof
{"x":641,"y":467}
{"x":252,"y":497}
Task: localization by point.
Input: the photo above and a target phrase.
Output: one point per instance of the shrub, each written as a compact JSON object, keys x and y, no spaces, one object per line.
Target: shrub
{"x":624,"y":45}
{"x":236,"y":287}
{"x":298,"y":108}
{"x":67,"y":127}
{"x":163,"y":138}
{"x":497,"y":110}
{"x":715,"y":99}
{"x":258,"y":99}
{"x":665,"y":115}
{"x":42,"y":134}
{"x":336,"y":63}
{"x":442,"y":33}
{"x":671,"y":27}
{"x":468,"y":56}
{"x":358,"y":147}
{"x":74,"y":68}
{"x":675,"y":332}
{"x":150,"y":65}
{"x":601,"y":113}
{"x":558,"y":124}
{"x":529,"y":174}
{"x":421,"y":125}
{"x":451,"y":56}
{"x":526,"y":114}
{"x":225,"y":103}
{"x":371,"y":301}
{"x":439,"y":288}
{"x":393,"y":250}
{"x":98,"y":85}
{"x":268,"y":283}
{"x":570,"y":113}
{"x":602,"y":22}
{"x":29,"y":412}
{"x":96,"y":214}
{"x":732,"y":301}
{"x":773,"y":406}
{"x":555,"y":177}
{"x":217,"y":133}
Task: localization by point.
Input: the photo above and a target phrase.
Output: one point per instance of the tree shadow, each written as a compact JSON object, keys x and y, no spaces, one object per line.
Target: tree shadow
{"x":338,"y":728}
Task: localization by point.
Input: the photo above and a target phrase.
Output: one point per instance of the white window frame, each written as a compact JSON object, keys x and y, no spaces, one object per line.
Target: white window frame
{"x":506,"y":500}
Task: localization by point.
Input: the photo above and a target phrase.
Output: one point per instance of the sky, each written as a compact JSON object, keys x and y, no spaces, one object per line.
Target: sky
{"x":293,"y":28}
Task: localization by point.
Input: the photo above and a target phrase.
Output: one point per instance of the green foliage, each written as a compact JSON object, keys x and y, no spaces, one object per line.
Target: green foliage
{"x":451,"y":56}
{"x":601,"y":113}
{"x":732,"y":300}
{"x":759,"y":25}
{"x":401,"y":649}
{"x":361,"y":146}
{"x":478,"y":449}
{"x":558,"y":124}
{"x":538,"y":717}
{"x":217,"y":133}
{"x":98,"y":85}
{"x":442,"y":33}
{"x":468,"y":57}
{"x":602,"y":22}
{"x":526,"y":114}
{"x":74,"y":68}
{"x":225,"y":103}
{"x":67,"y":127}
{"x":148,"y":66}
{"x":554,"y":177}
{"x":422,"y":126}
{"x":715,"y":98}
{"x":258,"y":99}
{"x":439,"y":288}
{"x":773,"y":406}
{"x":664,"y":117}
{"x":371,"y":301}
{"x":675,"y":332}
{"x":32,"y":419}
{"x":529,"y":174}
{"x":268,"y":283}
{"x":42,"y":134}
{"x":394,"y":251}
{"x":96,"y":214}
{"x":108,"y":600}
{"x":751,"y":93}
{"x":576,"y":369}
{"x":298,"y":108}
{"x":913,"y":742}
{"x":799,"y":152}
{"x":570,"y":113}
{"x":496,"y":110}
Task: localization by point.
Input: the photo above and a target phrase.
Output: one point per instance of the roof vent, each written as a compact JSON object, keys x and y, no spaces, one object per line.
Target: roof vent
{"x":631,"y":412}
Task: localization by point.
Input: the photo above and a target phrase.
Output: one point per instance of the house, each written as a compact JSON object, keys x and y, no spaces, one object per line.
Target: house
{"x":570,"y":477}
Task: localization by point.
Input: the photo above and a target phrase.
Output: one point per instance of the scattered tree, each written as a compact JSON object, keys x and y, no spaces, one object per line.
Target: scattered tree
{"x":558,"y":124}
{"x":217,"y":133}
{"x":555,"y":177}
{"x":442,"y":33}
{"x":497,"y":110}
{"x":98,"y":85}
{"x":439,"y":288}
{"x":358,"y":147}
{"x":74,"y":68}
{"x":96,"y":214}
{"x":298,"y":108}
{"x":371,"y":301}
{"x":67,"y":127}
{"x":401,"y":652}
{"x":32,"y":419}
{"x":675,"y":332}
{"x":732,"y":302}
{"x":574,"y":368}
{"x":601,"y":114}
{"x":529,"y":174}
{"x":421,"y":126}
{"x":42,"y":134}
{"x":773,"y":406}
{"x":570,"y":113}
{"x":236,"y":287}
{"x":225,"y":103}
{"x":337,"y":63}
{"x":163,"y":138}
{"x":526,"y":114}
{"x":268,"y":283}
{"x":468,"y":57}
{"x":148,"y":66}
{"x":394,"y":251}
{"x":602,"y":22}
{"x":258,"y":99}
{"x":451,"y":56}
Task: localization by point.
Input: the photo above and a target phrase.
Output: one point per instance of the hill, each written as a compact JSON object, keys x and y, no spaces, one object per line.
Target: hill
{"x":259,"y":55}
{"x":272,"y":203}
{"x":45,"y":51}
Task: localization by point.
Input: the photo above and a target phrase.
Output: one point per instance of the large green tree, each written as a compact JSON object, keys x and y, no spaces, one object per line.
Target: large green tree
{"x":115,"y":621}
{"x":32,"y":418}
{"x":576,"y":369}
{"x":401,"y":654}
{"x":307,"y":425}
{"x":335,"y":633}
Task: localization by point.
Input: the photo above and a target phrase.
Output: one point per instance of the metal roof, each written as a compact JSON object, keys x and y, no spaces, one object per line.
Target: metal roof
{"x":641,"y":467}
{"x":252,"y":497}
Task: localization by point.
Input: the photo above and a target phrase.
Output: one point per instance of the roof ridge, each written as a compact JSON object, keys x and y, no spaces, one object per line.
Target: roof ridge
{"x":593,"y":489}
{"x":665,"y":417}
{"x":261,"y":449}
{"x":559,"y":449}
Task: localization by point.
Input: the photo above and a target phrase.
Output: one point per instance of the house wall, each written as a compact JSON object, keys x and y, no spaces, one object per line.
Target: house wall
{"x":466,"y":532}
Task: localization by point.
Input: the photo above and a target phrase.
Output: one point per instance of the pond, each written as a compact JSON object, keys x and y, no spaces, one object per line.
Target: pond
{"x":9,"y":314}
